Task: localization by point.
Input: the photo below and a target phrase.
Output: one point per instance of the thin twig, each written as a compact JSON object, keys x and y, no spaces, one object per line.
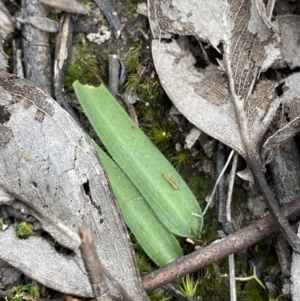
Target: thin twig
{"x":111,"y":16}
{"x":231,"y":262}
{"x":270,"y":8}
{"x":238,"y":241}
{"x":210,"y":197}
{"x":203,"y":51}
{"x":62,"y":54}
{"x":272,"y":203}
{"x":230,"y":187}
{"x":92,"y":71}
{"x":93,"y":266}
{"x":219,"y":162}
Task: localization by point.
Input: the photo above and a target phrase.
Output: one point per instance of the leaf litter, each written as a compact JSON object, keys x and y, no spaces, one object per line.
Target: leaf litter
{"x":231,"y":95}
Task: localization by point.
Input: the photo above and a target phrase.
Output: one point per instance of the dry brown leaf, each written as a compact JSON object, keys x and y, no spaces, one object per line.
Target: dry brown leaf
{"x":231,"y":108}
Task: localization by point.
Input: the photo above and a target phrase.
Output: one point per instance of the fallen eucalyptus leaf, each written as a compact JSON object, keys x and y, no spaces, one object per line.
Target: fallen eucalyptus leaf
{"x":203,"y":97}
{"x":48,"y":165}
{"x":208,"y":91}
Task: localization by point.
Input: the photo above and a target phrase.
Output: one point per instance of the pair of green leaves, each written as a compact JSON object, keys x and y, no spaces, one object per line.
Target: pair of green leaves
{"x":153,"y":198}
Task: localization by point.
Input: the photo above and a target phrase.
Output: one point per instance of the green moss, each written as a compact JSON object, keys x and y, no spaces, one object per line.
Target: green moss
{"x":24,"y":230}
{"x":241,"y":266}
{"x":239,"y":196}
{"x":141,"y":78}
{"x":8,"y":50}
{"x":131,"y":9}
{"x":182,"y":160}
{"x":188,"y":287}
{"x":77,"y":70}
{"x":209,"y":234}
{"x":161,"y":135}
{"x":266,"y":251}
{"x":210,"y":287}
{"x":132,"y":81}
{"x":18,"y":292}
{"x":131,"y":62}
{"x":150,"y":90}
{"x":201,"y":186}
{"x":143,"y":262}
{"x":54,"y":15}
{"x":253,"y":292}
{"x":159,"y":295}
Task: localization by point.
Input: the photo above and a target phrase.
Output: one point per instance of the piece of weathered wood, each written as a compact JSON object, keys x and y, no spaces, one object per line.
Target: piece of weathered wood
{"x":48,"y":165}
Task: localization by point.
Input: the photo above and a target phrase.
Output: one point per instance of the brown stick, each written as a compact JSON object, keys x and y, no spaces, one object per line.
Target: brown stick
{"x":256,"y":165}
{"x":93,"y":266}
{"x":240,"y":240}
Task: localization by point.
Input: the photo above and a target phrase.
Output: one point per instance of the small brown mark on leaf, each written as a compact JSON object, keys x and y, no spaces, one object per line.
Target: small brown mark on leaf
{"x":170,"y":181}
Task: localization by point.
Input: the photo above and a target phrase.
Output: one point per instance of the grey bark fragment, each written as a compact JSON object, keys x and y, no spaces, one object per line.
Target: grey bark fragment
{"x":285,"y":166}
{"x":6,"y":22}
{"x":42,"y":23}
{"x":192,"y":137}
{"x":36,"y":48}
{"x":114,"y":67}
{"x":288,"y":26}
{"x":70,"y":6}
{"x":9,"y":276}
{"x":39,"y":258}
{"x":111,"y":15}
{"x":289,"y":123}
{"x":49,"y":166}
